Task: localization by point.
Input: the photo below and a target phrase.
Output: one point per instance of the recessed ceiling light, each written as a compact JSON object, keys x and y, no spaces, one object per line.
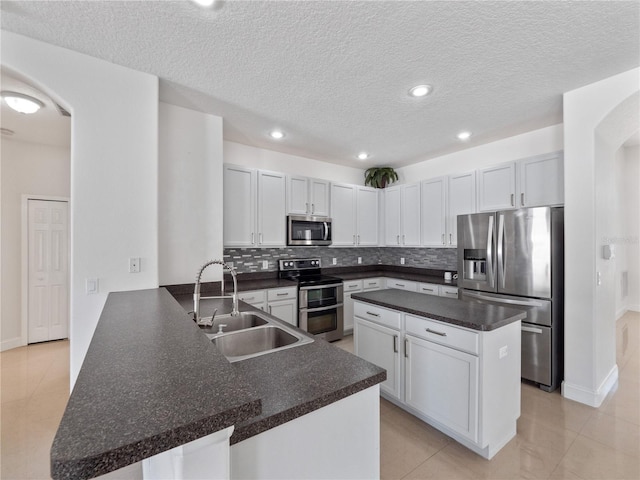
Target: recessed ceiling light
{"x":363,"y":155}
{"x":204,"y":3}
{"x":420,"y":90}
{"x":22,"y":103}
{"x":276,"y":134}
{"x":464,"y":136}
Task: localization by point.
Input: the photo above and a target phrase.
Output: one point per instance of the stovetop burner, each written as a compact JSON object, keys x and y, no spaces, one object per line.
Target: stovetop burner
{"x":305,"y":271}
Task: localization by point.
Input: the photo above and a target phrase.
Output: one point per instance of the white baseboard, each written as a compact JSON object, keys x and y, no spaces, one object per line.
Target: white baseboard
{"x":11,"y":343}
{"x":590,"y":397}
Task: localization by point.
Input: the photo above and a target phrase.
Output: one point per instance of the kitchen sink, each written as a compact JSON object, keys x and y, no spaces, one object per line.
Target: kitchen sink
{"x":251,"y":334}
{"x":238,"y":322}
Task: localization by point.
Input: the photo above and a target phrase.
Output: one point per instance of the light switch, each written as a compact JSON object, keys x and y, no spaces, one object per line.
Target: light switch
{"x":91,"y":286}
{"x":265,"y":264}
{"x":335,"y":261}
{"x":359,"y":260}
{"x":402,"y":261}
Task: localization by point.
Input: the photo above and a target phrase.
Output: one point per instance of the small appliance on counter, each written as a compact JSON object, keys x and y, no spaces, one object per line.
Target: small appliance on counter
{"x":320,"y":309}
{"x":515,"y":258}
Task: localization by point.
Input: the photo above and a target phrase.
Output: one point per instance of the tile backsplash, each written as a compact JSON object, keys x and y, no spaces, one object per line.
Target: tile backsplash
{"x":248,"y":260}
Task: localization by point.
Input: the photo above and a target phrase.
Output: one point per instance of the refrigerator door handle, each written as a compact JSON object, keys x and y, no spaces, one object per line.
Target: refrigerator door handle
{"x":524,"y":303}
{"x":531,"y":330}
{"x":490,"y":241}
{"x":500,"y":249}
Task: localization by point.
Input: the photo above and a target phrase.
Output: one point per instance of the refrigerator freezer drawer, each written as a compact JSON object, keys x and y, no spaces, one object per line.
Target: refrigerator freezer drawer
{"x":538,"y":310}
{"x":536,"y":353}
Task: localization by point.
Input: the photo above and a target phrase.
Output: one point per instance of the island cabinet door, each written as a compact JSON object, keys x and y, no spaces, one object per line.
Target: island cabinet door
{"x":442,"y":383}
{"x":380,"y":346}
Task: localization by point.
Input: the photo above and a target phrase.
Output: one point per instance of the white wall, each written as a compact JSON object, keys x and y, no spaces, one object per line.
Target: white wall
{"x":536,"y":142}
{"x":27,"y":168}
{"x":589,"y":370}
{"x":253,"y":157}
{"x":190,"y":189}
{"x":114,"y":172}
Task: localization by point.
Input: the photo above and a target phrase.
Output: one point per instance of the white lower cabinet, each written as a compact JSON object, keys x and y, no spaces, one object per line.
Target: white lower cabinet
{"x":442,"y":383}
{"x":380,"y":346}
{"x":255,"y":298}
{"x":464,"y":382}
{"x":402,"y":284}
{"x":356,"y":286}
{"x":283,"y":304}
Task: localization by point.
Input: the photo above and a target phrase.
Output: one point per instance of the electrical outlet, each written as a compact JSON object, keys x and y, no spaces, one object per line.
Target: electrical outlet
{"x":265,"y":264}
{"x":134,"y":265}
{"x":359,"y":260}
{"x":503,"y":352}
{"x":335,"y":261}
{"x":402,"y":261}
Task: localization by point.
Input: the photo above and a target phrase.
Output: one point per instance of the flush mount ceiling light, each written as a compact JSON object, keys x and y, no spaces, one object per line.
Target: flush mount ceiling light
{"x":22,"y":103}
{"x":420,"y":91}
{"x":204,"y":3}
{"x":276,"y":134}
{"x":363,"y":155}
{"x":464,"y":136}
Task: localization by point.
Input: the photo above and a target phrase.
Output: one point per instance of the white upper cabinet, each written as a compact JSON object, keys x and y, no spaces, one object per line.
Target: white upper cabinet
{"x":541,"y":180}
{"x":402,"y":215}
{"x":434,"y":212}
{"x":272,"y":222}
{"x":367,"y":216}
{"x":240,"y":190}
{"x":254,"y":208}
{"x":461,"y":200}
{"x":355,"y":215}
{"x":497,"y":187}
{"x":530,"y":182}
{"x":307,"y":196}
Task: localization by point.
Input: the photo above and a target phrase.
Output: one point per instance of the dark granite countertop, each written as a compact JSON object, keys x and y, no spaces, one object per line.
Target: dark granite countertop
{"x":471,"y":315}
{"x":151,"y":380}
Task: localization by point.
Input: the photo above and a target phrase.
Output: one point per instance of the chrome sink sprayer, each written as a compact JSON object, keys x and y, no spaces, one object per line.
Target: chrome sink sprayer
{"x":196,"y":293}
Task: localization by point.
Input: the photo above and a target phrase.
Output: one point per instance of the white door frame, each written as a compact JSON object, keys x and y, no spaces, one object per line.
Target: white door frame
{"x":25,"y":259}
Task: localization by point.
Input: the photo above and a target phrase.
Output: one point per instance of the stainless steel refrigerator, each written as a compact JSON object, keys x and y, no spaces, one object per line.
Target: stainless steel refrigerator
{"x":515,"y":258}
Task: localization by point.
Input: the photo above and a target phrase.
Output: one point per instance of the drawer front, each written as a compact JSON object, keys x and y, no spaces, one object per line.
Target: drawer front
{"x":253,"y":297}
{"x":376,"y":314}
{"x":371,"y":284}
{"x":275,"y":294}
{"x":352,"y":286}
{"x":428,"y":288}
{"x":438,"y":332}
{"x":449,"y":292}
{"x":402,"y":284}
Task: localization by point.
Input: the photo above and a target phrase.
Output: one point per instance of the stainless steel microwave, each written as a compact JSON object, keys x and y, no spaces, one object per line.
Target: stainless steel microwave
{"x":306,"y":230}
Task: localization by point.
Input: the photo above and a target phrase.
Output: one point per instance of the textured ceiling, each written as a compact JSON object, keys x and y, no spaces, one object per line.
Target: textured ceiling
{"x":334,"y":75}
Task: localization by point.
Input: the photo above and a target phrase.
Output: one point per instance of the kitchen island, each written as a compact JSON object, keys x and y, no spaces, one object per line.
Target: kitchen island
{"x":152,"y":382}
{"x":453,"y":364}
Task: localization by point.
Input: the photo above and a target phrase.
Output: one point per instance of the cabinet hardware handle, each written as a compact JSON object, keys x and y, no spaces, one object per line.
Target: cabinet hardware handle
{"x":398,"y":239}
{"x":522,"y":199}
{"x":406,"y":348}
{"x":451,"y":293}
{"x":450,"y":241}
{"x":372,"y":314}
{"x":270,"y":308}
{"x":427,"y":290}
{"x":253,"y":238}
{"x":282,"y":294}
{"x":371,"y":283}
{"x":246,"y":299}
{"x":358,"y":239}
{"x":354,"y":239}
{"x":403,"y":242}
{"x":260,"y":238}
{"x":395,"y":344}
{"x":442,"y":334}
{"x":399,"y":284}
{"x":306,"y":208}
{"x":443,"y":238}
{"x":313,"y":208}
{"x":512,"y":204}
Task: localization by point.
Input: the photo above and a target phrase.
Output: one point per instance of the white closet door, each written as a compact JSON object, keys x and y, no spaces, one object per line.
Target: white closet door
{"x":48,"y":244}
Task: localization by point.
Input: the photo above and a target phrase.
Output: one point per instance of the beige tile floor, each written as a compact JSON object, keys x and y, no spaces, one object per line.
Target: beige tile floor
{"x":557,"y":438}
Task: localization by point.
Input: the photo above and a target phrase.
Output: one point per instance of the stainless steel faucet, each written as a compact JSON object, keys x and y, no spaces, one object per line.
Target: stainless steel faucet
{"x":196,"y":293}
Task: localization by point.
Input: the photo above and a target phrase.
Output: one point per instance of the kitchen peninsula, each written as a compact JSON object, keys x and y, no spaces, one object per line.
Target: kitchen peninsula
{"x":152,"y":382}
{"x":453,"y":364}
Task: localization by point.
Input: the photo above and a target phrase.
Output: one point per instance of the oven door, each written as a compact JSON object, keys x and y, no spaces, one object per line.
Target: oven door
{"x":318,"y":296}
{"x":326,"y":322}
